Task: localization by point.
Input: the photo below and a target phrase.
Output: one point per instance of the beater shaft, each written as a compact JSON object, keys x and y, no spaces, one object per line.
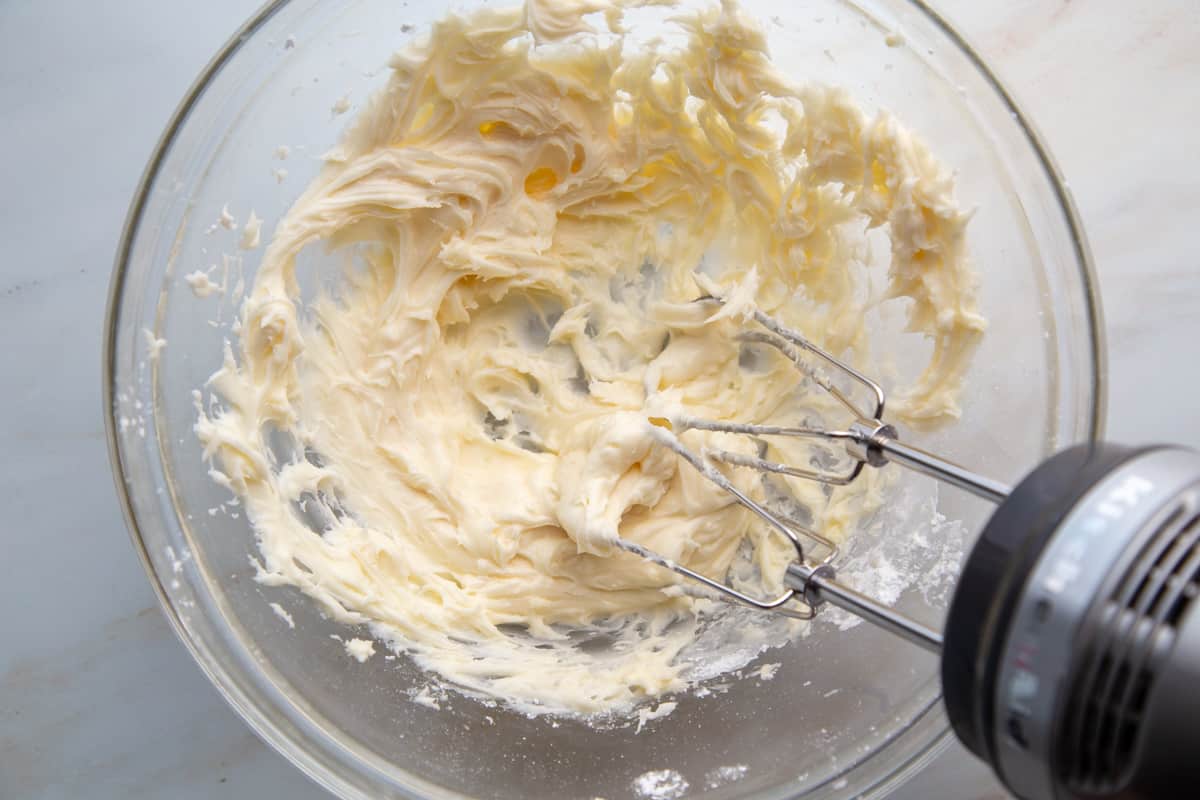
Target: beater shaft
{"x":926,"y":463}
{"x":818,"y":585}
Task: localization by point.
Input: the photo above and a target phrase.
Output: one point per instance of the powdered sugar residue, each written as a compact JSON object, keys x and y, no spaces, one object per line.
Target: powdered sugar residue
{"x":660,"y":784}
{"x":767,"y":671}
{"x":924,"y":557}
{"x":722,"y":775}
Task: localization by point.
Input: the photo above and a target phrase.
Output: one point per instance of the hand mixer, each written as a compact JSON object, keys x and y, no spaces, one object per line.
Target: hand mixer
{"x":1070,"y":661}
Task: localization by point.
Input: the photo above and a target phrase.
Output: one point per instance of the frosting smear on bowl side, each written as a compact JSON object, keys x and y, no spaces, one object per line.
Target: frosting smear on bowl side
{"x":526,"y":214}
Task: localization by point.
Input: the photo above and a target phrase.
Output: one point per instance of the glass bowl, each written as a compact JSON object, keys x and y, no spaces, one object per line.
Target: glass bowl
{"x":850,"y":712}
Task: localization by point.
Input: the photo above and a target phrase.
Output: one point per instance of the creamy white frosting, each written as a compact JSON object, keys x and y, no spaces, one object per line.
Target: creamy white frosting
{"x":446,"y":442}
{"x":359,"y":649}
{"x":251,"y":232}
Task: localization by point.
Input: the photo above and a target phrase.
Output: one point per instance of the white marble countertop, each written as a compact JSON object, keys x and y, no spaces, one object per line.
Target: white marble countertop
{"x":97,"y":698}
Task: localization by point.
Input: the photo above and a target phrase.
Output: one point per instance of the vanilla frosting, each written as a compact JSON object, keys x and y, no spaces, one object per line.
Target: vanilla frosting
{"x":447,"y":441}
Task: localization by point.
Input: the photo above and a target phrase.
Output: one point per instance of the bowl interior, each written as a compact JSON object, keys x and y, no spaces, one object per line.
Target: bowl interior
{"x":848,"y":709}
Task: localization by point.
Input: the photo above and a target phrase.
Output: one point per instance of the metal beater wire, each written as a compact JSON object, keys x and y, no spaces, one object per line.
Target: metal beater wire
{"x":868,"y":440}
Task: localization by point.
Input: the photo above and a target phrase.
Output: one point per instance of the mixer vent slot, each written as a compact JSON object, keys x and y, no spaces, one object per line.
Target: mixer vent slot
{"x":1103,"y":718}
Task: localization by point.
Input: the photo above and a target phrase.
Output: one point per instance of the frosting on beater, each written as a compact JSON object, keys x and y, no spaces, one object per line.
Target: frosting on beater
{"x":525,"y":214}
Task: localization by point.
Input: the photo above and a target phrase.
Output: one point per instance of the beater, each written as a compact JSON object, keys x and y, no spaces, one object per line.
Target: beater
{"x":1070,"y":660}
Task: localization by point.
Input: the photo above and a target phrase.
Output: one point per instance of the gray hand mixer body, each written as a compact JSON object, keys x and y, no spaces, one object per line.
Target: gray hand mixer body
{"x":1070,"y":659}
